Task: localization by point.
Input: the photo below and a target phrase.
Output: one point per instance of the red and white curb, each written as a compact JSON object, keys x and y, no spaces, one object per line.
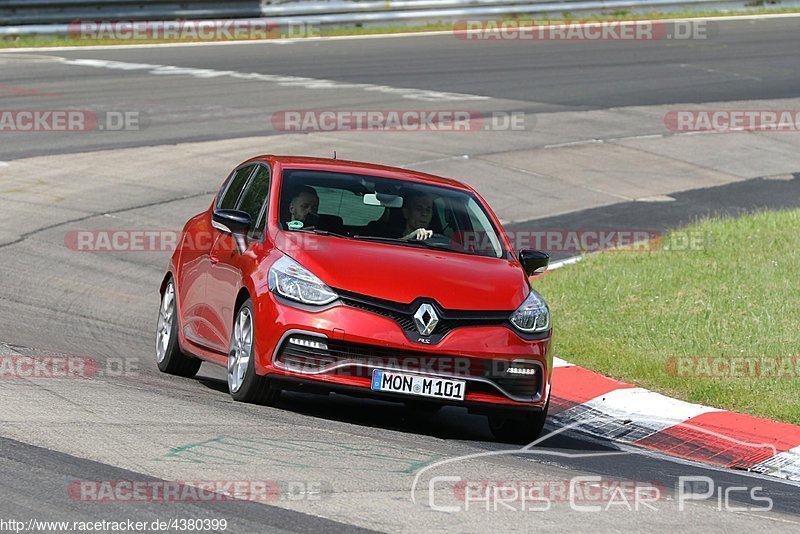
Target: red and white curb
{"x":623,"y":413}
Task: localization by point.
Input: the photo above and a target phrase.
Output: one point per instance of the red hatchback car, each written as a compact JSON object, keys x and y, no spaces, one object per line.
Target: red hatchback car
{"x":327,"y":276}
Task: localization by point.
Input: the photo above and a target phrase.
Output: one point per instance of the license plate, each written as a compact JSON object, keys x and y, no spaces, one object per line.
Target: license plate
{"x":423,"y":386}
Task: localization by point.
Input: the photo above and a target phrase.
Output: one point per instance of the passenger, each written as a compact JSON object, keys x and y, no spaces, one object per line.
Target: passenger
{"x":304,"y":205}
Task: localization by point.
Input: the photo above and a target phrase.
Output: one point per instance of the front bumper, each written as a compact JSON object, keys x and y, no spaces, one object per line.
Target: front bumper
{"x":337,"y":348}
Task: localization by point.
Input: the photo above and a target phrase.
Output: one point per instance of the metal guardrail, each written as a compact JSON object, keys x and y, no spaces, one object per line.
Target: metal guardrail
{"x":22,"y":17}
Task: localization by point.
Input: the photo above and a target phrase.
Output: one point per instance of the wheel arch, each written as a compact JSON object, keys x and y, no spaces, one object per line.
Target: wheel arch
{"x":241,"y":298}
{"x":167,"y":277}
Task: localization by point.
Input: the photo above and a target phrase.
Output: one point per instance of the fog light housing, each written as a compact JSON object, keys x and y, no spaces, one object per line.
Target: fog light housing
{"x":521,"y":371}
{"x":317,"y":344}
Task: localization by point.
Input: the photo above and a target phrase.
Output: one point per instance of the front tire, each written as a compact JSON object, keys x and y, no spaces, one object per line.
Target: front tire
{"x":169,"y":357}
{"x":518,"y":430}
{"x":244,"y":384}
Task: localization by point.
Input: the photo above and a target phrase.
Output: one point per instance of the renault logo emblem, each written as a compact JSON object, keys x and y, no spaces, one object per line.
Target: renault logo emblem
{"x":425,"y":319}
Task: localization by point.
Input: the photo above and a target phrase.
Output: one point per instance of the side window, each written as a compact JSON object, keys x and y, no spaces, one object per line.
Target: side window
{"x":255,"y":196}
{"x":227,"y":199}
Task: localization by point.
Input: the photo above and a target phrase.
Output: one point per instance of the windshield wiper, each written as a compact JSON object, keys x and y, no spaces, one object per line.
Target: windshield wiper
{"x":319,"y":231}
{"x":379,"y":238}
{"x":393,"y":240}
{"x":435,"y":246}
{"x":412,"y":242}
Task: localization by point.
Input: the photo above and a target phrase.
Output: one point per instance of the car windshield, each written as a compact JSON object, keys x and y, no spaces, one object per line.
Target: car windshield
{"x":399,"y":212}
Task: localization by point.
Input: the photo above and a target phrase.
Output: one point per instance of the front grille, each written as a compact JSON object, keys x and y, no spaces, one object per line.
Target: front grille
{"x":403,"y":314}
{"x":405,"y":321}
{"x":315,"y":355}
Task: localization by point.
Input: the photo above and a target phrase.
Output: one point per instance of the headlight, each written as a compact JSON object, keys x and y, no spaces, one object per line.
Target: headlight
{"x":533,"y":315}
{"x":293,"y":281}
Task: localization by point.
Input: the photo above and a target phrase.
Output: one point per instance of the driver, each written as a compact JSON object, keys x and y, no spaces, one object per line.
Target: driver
{"x":418,"y":212}
{"x":304,"y":205}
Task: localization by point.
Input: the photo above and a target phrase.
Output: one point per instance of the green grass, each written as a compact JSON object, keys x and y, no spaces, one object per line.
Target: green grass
{"x":35,"y":41}
{"x":625,"y":314}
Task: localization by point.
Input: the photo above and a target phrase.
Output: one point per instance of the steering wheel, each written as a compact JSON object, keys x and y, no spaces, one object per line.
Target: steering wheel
{"x":438,"y":239}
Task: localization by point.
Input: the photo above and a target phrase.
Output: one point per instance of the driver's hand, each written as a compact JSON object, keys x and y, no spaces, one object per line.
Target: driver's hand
{"x":420,"y":234}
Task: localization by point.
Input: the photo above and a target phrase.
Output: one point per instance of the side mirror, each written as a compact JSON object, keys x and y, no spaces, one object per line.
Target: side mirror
{"x":534,"y":261}
{"x":234,"y":222}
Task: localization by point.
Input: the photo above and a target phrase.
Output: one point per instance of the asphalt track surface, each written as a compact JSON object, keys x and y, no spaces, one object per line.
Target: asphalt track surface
{"x":738,"y":61}
{"x":361,"y":455}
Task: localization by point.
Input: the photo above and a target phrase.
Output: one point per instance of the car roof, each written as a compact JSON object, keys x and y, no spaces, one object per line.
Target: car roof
{"x":359,"y":167}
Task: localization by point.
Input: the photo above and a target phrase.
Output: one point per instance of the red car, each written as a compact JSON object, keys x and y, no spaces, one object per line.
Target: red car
{"x":326,"y":276}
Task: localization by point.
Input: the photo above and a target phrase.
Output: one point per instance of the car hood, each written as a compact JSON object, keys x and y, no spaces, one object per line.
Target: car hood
{"x":402,"y":274}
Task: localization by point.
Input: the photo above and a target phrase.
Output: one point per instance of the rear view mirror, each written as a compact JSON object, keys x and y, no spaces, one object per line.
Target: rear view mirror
{"x":383,"y":199}
{"x":534,"y":261}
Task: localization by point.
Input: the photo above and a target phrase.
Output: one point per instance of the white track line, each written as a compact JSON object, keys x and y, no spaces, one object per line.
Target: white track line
{"x":284,"y":81}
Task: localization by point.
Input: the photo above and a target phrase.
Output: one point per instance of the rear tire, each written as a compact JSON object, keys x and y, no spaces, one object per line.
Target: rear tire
{"x":244,"y":384}
{"x":169,"y":357}
{"x":518,"y":430}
